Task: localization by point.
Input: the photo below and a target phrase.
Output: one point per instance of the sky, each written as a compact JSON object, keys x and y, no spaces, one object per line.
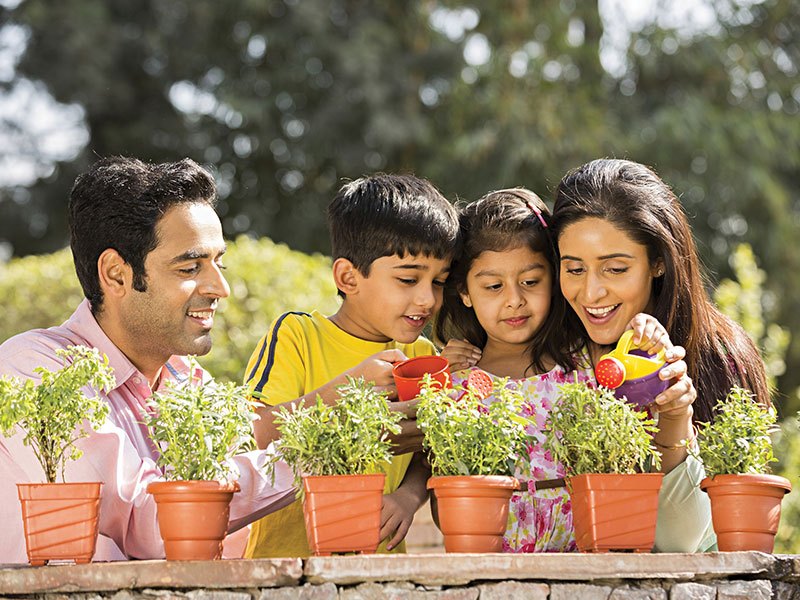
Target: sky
{"x":38,"y":131}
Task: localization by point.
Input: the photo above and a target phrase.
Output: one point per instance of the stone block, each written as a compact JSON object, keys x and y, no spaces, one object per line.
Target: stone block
{"x":326,"y":591}
{"x":514,"y":590}
{"x":692,"y":591}
{"x":744,"y":590}
{"x":629,"y":593}
{"x":571,"y":591}
{"x":218,"y":595}
{"x":785,"y":591}
{"x":400,"y":591}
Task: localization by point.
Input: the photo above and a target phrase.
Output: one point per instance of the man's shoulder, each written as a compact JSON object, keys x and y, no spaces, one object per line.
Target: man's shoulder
{"x":21,"y":354}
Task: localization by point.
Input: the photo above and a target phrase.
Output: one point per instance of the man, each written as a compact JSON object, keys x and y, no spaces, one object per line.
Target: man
{"x":147,"y":246}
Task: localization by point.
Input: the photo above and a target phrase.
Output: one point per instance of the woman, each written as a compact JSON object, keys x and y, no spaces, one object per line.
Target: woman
{"x":625,"y":248}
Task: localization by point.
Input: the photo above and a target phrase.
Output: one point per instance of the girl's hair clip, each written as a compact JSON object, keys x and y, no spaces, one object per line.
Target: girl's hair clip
{"x":537,"y":211}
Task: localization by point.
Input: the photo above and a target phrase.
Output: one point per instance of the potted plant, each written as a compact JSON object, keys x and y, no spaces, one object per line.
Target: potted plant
{"x":336,"y":453}
{"x":606,"y":449}
{"x":736,"y":452}
{"x":59,"y":519}
{"x":198,"y":428}
{"x":473,"y":445}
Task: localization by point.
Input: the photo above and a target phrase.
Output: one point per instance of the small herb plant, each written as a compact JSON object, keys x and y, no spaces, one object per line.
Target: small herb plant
{"x":348,"y":438}
{"x":589,"y":430}
{"x":50,"y":413}
{"x":465,"y":436}
{"x":738,"y":440}
{"x":199,"y":426}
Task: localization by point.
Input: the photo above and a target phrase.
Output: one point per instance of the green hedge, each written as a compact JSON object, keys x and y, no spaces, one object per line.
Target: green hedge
{"x":266,"y":280}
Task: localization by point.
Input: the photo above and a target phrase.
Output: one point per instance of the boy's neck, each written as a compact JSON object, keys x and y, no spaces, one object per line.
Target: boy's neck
{"x":352,"y":326}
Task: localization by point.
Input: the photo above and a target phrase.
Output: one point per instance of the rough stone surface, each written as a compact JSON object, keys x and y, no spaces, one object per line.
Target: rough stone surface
{"x":692,"y":591}
{"x":571,"y":591}
{"x":400,"y":591}
{"x":514,"y":590}
{"x":785,"y":591}
{"x":326,"y":591}
{"x":218,"y":595}
{"x":628,"y":593}
{"x":744,"y":590}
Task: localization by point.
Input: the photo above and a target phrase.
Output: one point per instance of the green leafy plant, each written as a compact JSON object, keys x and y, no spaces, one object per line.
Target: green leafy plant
{"x":349,"y":438}
{"x":466,"y":436}
{"x":738,"y":440}
{"x":199,"y":427}
{"x":50,"y":413}
{"x":589,"y":430}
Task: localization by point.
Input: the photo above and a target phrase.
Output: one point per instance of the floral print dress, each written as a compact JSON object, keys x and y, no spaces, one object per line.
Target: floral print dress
{"x":540,"y":520}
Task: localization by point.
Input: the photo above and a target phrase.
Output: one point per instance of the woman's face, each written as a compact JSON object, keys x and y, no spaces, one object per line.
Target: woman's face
{"x":606,"y":277}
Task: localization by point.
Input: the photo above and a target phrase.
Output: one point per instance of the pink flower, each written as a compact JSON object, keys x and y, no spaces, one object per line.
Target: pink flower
{"x":528,"y":548}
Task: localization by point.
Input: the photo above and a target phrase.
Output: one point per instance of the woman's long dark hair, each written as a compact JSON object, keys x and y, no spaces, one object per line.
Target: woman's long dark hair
{"x":502,"y":220}
{"x":633,"y":198}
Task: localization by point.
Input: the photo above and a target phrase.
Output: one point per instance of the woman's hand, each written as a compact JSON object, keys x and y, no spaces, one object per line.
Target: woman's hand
{"x":676,"y":401}
{"x":461,"y":354}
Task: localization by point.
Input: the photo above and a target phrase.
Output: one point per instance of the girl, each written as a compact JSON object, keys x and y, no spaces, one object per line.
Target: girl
{"x":625,"y":247}
{"x":501,"y":298}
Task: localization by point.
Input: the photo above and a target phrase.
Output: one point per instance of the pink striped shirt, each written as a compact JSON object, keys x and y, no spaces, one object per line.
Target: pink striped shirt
{"x":120,"y":453}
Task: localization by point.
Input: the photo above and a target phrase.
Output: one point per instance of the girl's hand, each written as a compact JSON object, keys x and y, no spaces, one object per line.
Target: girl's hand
{"x":461,"y":354}
{"x":648,"y":334}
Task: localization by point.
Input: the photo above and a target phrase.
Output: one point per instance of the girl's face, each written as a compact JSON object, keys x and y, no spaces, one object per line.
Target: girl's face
{"x":606,"y":277}
{"x":510,"y":293}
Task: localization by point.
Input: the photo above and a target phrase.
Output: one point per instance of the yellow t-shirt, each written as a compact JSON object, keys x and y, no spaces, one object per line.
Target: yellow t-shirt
{"x":300,"y":353}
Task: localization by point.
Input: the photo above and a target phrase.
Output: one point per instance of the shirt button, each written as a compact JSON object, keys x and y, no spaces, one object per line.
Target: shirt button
{"x":137,"y":380}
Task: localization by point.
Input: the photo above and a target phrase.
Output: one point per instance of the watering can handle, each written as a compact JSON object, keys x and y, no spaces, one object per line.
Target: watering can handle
{"x":625,"y":344}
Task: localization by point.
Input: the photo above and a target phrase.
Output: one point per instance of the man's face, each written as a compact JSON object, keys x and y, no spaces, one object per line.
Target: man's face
{"x":184,"y":284}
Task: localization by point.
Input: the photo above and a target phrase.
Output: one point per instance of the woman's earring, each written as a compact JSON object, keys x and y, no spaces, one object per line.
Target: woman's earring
{"x":660,"y":272}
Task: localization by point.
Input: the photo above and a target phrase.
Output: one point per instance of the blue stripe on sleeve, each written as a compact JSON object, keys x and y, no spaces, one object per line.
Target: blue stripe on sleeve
{"x":271,"y":355}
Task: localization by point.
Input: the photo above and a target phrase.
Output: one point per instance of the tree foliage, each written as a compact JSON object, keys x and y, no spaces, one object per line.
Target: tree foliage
{"x":285,"y":99}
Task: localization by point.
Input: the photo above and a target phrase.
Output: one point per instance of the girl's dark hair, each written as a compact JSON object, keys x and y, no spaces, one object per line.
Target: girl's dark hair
{"x":501,"y":220}
{"x":633,"y":198}
{"x":118,"y":203}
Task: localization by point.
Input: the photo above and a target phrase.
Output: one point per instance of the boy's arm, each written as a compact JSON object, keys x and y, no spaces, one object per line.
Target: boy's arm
{"x":399,"y":507}
{"x":376,"y":368}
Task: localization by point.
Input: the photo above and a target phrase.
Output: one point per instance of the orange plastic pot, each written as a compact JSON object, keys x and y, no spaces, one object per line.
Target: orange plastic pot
{"x":473,"y":510}
{"x":193,"y":517}
{"x":408,"y":374}
{"x":746,"y":510}
{"x":60,"y":520}
{"x":615,"y":512}
{"x":343,"y":512}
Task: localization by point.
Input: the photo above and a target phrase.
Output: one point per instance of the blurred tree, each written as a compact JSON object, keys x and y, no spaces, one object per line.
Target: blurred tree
{"x":284,"y":99}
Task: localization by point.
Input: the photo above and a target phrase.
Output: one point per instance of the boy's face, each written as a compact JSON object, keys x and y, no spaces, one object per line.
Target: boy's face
{"x":398,"y":298}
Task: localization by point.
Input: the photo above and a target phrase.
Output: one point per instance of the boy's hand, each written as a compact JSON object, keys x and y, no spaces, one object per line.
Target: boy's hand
{"x":397,"y":514}
{"x":378,"y":369}
{"x":410,"y":437}
{"x":461,"y":354}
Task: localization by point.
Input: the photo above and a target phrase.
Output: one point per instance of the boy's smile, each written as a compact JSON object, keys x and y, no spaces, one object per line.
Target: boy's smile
{"x":396,"y":300}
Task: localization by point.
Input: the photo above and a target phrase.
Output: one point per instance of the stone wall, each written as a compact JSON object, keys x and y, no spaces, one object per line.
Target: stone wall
{"x":614,"y":576}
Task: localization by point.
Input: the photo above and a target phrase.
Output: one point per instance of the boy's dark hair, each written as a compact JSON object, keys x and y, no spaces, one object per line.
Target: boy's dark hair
{"x":382,"y":215}
{"x":117,"y":204}
{"x":505,"y":219}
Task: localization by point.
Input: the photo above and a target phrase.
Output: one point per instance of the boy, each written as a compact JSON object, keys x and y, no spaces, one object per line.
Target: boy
{"x":392,"y":237}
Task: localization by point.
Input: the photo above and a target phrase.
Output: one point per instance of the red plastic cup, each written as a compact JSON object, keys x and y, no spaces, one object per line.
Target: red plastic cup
{"x":408,"y":374}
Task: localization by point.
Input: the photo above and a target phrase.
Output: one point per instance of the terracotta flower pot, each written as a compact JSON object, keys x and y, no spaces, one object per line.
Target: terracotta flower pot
{"x":746,"y":509}
{"x":473,"y":510}
{"x":343,"y":512}
{"x":615,"y":512}
{"x":408,"y":374}
{"x":193,"y":517}
{"x":60,"y":520}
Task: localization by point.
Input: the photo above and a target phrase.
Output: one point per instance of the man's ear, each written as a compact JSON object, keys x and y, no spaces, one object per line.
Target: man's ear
{"x":346,"y":276}
{"x":115,"y":274}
